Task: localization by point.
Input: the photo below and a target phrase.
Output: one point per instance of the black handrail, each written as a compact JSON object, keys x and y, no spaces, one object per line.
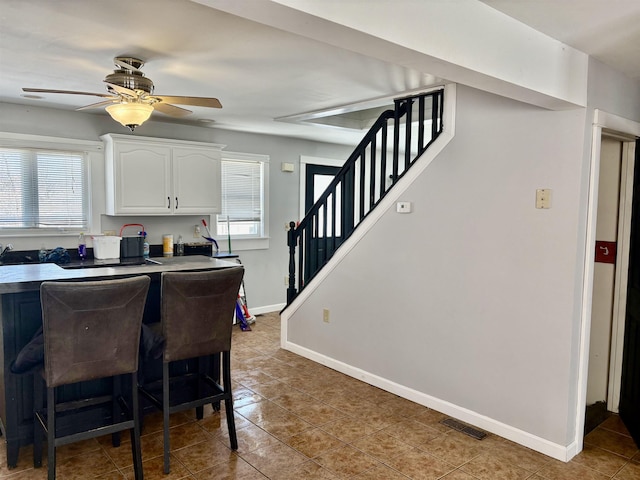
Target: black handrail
{"x":362,"y":183}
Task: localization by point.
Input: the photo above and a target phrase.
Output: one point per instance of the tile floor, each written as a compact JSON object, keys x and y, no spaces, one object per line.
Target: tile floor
{"x":297,"y":420}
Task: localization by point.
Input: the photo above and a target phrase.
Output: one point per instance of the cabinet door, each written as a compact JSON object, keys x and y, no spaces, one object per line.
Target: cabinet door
{"x":143,"y":179}
{"x":196,"y":180}
{"x":20,"y":317}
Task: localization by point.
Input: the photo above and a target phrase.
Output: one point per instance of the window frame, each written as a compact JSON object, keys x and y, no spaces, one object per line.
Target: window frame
{"x":247,"y":242}
{"x":90,"y":150}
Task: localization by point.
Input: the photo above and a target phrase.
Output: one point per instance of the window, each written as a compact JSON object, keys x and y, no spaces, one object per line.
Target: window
{"x":43,"y":189}
{"x":243,"y":195}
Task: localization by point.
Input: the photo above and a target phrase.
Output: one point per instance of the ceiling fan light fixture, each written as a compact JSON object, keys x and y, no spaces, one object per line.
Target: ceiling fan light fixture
{"x":130,"y":115}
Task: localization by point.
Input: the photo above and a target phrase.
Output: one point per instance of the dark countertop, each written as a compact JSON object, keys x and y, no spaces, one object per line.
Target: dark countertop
{"x":28,"y":277}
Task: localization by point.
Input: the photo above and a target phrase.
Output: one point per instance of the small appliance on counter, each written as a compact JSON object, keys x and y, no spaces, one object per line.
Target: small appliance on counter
{"x":132,"y":246}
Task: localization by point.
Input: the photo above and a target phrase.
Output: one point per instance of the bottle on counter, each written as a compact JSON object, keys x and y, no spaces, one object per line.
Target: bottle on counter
{"x":180,"y":247}
{"x":82,"y":247}
{"x":167,"y":245}
{"x":145,"y":246}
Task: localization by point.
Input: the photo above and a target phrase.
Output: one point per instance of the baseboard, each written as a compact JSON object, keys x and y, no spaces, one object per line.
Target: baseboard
{"x":559,"y":452}
{"x":266,"y":309}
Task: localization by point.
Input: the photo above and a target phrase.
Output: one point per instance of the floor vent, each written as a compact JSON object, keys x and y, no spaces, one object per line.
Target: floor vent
{"x":466,"y":429}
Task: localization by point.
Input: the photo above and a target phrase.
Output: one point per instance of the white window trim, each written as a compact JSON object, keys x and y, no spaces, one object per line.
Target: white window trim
{"x":253,"y":243}
{"x":94,"y":152}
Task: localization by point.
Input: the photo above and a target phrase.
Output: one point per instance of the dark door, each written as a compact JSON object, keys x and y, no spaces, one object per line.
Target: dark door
{"x":630,"y":384}
{"x":317,"y":179}
{"x":323,"y":243}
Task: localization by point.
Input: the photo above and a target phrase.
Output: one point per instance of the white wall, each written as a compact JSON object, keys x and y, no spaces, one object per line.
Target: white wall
{"x":479,"y":290}
{"x":612,"y":92}
{"x":265,"y":269}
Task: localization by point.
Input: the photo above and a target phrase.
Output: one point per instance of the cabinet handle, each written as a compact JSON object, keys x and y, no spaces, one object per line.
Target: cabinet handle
{"x":176,"y":203}
{"x":168,"y":202}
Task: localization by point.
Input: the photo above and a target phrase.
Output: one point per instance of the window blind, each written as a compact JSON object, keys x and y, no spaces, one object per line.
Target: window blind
{"x":242,"y":197}
{"x":43,"y":189}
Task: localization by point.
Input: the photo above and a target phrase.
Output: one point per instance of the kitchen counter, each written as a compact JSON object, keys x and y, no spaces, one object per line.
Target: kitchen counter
{"x":28,"y":277}
{"x":21,"y":316}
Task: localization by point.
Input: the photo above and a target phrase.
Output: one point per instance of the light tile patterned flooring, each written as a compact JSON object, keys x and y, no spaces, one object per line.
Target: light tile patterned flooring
{"x":298,"y":420}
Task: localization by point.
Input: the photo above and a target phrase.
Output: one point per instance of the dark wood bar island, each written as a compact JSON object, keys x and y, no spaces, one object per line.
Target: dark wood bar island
{"x":20,"y":318}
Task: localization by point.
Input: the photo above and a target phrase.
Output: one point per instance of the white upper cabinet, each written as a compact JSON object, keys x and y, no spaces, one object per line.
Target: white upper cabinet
{"x":196,"y":180}
{"x":153,"y":176}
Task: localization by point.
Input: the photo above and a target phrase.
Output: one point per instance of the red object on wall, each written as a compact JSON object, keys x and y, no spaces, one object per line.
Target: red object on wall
{"x":605,"y":252}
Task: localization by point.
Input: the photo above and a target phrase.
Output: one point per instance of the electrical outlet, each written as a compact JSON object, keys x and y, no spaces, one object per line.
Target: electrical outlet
{"x":325,"y":315}
{"x":196,"y":231}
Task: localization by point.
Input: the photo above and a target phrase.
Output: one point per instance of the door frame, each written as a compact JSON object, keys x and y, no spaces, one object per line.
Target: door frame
{"x":610,"y":124}
{"x":622,"y":273}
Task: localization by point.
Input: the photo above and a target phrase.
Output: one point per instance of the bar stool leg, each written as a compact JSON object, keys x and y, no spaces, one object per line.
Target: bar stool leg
{"x":135,"y":433}
{"x":215,"y":374}
{"x":51,"y":433}
{"x":38,"y":392}
{"x":115,"y":407}
{"x":165,"y":415}
{"x":228,"y":402}
{"x":202,"y":372}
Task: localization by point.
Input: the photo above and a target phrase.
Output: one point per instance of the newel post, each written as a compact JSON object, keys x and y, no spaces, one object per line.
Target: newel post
{"x":291,"y":241}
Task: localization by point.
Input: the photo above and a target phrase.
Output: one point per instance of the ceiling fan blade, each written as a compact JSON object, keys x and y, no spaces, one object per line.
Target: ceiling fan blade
{"x":171,"y":110}
{"x":68,"y":92}
{"x":99,"y":104}
{"x":195,"y":101}
{"x":122,"y":90}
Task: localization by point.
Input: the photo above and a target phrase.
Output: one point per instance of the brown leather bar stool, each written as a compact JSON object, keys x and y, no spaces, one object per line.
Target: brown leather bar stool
{"x":91,"y":331}
{"x":197,"y":319}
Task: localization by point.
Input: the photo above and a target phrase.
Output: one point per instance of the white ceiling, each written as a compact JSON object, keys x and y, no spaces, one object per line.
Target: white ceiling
{"x":608,"y":30}
{"x":259,"y":73}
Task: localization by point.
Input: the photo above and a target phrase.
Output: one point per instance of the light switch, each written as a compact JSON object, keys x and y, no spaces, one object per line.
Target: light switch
{"x":543,"y":198}
{"x":403,"y":207}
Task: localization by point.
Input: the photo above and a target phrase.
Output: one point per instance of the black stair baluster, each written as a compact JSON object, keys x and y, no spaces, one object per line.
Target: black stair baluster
{"x":301,"y":260}
{"x":348,"y":201}
{"x":335,"y":213}
{"x":407,"y":132}
{"x":324,"y":233}
{"x":372,"y":174}
{"x":315,"y":254}
{"x":291,"y":240}
{"x":361,"y":193}
{"x":343,"y":207}
{"x":421,"y":124}
{"x":383,"y":160}
{"x":308,"y":237}
{"x":396,"y":142}
{"x":436,"y":113}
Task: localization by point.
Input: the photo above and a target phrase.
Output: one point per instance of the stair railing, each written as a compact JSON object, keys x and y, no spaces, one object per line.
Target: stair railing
{"x":388,"y":150}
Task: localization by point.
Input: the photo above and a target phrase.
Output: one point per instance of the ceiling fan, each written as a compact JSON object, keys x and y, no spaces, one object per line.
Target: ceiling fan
{"x":130,"y":100}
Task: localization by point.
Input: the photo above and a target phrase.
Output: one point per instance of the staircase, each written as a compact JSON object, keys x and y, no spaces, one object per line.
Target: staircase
{"x":392,"y":145}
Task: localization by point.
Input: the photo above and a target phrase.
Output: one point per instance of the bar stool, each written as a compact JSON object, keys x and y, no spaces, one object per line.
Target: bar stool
{"x":91,"y":331}
{"x":197,"y":319}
